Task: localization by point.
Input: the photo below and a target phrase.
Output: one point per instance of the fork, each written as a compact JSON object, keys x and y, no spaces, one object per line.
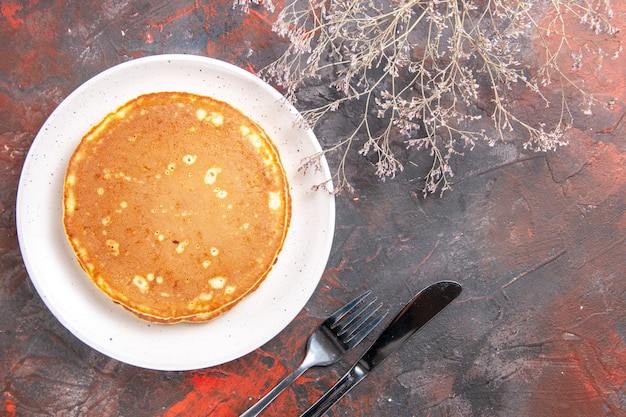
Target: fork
{"x":343,"y":330}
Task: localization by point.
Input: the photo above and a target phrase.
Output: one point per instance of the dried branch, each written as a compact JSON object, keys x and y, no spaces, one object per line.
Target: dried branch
{"x":426,"y":68}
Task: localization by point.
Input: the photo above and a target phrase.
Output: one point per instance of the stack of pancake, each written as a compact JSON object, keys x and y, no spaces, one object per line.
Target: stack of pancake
{"x":176,"y":206}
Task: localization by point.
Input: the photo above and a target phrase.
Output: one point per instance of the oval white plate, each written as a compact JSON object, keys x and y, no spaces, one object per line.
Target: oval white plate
{"x":88,"y":313}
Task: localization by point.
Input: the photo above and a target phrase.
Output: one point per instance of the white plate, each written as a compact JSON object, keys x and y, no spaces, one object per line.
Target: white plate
{"x":87,"y":312}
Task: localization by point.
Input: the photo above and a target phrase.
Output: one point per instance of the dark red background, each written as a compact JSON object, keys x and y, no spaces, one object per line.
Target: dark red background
{"x":537,"y":240}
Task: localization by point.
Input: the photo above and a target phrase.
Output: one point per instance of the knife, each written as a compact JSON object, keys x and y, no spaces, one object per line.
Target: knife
{"x":423,"y":307}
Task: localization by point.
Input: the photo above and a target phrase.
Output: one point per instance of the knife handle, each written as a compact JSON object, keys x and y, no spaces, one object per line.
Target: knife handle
{"x":355,"y":375}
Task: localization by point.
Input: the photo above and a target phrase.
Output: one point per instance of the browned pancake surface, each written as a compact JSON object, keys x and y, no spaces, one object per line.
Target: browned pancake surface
{"x":177,"y":206}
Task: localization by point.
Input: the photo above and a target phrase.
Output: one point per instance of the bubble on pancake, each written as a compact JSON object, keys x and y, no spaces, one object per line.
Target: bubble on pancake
{"x":180,"y":248}
{"x":190,"y":159}
{"x":141,"y":283}
{"x":217,"y":119}
{"x":113,"y":246}
{"x":213,"y":117}
{"x":201,"y":114}
{"x":217,"y":283}
{"x":159,"y":236}
{"x":255,"y":140}
{"x":200,"y":301}
{"x":219,"y":193}
{"x":268,"y":160}
{"x":70,"y":203}
{"x":275,"y":201}
{"x":211,"y":175}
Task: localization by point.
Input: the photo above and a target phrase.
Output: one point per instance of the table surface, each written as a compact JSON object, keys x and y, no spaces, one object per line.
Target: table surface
{"x":536,"y":239}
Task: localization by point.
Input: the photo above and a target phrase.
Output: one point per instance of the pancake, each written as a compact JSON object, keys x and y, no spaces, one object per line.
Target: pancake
{"x":177,"y":206}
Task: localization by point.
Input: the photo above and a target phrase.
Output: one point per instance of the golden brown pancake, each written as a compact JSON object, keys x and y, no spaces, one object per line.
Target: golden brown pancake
{"x":176,"y":206}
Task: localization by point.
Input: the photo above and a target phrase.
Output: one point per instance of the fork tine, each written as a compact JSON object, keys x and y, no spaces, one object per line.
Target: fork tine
{"x":342,"y":327}
{"x":339,"y":314}
{"x":349,"y":330}
{"x":365,"y":331}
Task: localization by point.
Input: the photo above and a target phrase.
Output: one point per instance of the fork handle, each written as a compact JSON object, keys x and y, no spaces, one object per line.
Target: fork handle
{"x":355,"y":375}
{"x":256,"y":409}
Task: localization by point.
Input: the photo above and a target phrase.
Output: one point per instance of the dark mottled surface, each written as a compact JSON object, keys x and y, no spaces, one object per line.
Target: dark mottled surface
{"x":536,"y":239}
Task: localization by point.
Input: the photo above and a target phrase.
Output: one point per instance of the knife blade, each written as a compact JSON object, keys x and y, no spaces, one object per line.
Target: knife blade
{"x":425,"y":305}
